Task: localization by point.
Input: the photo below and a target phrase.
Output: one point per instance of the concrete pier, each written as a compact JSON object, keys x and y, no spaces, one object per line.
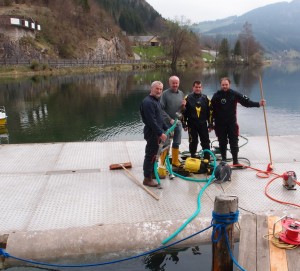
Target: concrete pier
{"x":60,"y":200}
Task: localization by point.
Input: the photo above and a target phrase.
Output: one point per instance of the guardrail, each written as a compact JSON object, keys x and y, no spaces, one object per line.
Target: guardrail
{"x":67,"y":62}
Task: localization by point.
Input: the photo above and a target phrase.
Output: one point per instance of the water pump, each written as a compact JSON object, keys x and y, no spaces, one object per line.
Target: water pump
{"x":289,"y":180}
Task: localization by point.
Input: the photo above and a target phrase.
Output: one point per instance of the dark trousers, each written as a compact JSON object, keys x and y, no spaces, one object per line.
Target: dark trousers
{"x":228,"y":132}
{"x":200,"y":130}
{"x":151,"y":150}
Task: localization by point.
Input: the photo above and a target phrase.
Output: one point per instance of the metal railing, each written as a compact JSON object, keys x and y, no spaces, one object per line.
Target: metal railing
{"x":67,"y":62}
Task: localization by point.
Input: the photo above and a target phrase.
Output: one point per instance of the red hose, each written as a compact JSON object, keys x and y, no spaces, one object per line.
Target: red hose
{"x":266,"y":174}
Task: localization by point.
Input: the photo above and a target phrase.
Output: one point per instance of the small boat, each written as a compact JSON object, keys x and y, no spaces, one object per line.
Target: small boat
{"x":3,"y":116}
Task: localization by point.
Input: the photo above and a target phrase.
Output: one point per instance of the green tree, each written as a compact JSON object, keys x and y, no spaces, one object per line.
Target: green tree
{"x":224,"y":52}
{"x":130,"y":22}
{"x":237,"y":50}
{"x":143,"y":16}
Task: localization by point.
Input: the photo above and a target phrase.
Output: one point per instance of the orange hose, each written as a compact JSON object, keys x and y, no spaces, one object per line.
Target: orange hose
{"x":283,"y":202}
{"x":266,"y":174}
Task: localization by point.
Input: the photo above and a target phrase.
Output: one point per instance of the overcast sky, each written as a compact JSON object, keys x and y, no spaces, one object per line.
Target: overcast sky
{"x":199,"y":11}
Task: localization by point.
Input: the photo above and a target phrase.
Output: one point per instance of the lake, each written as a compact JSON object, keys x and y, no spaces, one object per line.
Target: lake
{"x":105,"y":107}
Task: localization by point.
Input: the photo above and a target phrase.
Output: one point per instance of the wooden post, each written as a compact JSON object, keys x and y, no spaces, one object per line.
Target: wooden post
{"x":3,"y":243}
{"x":224,"y":204}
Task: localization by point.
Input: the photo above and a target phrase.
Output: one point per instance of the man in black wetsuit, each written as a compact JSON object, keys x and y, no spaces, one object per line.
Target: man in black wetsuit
{"x":198,"y":119}
{"x":224,"y":104}
{"x":155,"y":126}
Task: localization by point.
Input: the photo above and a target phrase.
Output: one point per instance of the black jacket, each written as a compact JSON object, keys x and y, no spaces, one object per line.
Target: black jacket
{"x":224,"y":104}
{"x":152,"y":117}
{"x":197,"y":110}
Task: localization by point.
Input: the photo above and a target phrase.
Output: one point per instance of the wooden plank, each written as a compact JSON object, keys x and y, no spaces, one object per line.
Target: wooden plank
{"x":247,"y":245}
{"x":278,"y":260}
{"x":293,"y":257}
{"x":263,"y":254}
{"x":120,"y":166}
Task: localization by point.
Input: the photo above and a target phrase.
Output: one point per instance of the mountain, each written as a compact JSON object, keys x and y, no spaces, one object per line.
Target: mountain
{"x":275,"y":26}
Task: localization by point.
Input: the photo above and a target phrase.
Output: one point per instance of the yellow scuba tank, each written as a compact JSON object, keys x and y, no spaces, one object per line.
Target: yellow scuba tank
{"x":192,"y":164}
{"x":195,"y":165}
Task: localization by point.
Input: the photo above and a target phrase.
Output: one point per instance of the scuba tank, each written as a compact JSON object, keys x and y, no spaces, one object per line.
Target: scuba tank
{"x":198,"y":166}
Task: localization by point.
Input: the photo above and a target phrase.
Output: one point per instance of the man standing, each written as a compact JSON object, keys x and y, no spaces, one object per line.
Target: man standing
{"x":155,"y":126}
{"x":172,"y":101}
{"x":198,"y":119}
{"x":224,"y":104}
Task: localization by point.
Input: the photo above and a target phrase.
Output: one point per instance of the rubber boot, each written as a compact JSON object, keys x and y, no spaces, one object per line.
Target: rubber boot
{"x":163,"y":156}
{"x":162,"y":172}
{"x":234,"y":153}
{"x":223,"y":152}
{"x":206,"y":156}
{"x":235,"y":160}
{"x":149,"y":182}
{"x":175,"y":155}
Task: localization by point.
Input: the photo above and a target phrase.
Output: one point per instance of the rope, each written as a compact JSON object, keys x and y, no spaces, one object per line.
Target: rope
{"x":276,"y":241}
{"x":7,"y":255}
{"x":220,"y":224}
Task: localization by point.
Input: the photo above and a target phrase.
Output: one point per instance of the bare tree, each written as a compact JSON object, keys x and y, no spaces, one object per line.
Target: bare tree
{"x":251,"y":49}
{"x":179,"y":40}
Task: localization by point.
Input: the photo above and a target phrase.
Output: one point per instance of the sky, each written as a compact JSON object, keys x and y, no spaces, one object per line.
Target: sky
{"x":208,"y":10}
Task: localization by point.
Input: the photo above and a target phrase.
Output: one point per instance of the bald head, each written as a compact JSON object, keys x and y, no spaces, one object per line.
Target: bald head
{"x":174,"y":83}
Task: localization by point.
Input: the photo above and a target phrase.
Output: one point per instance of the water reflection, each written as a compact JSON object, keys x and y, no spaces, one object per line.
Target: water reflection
{"x":4,"y":136}
{"x":105,"y":107}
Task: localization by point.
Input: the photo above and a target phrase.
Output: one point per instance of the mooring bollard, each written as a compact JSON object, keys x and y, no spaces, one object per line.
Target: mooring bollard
{"x":225,"y":211}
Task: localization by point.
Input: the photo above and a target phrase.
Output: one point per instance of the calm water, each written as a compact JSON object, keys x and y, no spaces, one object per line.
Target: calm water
{"x":105,"y":107}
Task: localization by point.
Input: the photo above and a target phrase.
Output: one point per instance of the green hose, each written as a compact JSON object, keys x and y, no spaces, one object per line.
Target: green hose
{"x":198,"y":198}
{"x":161,"y":145}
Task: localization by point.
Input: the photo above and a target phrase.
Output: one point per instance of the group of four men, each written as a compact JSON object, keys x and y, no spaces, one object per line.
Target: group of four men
{"x":200,"y":116}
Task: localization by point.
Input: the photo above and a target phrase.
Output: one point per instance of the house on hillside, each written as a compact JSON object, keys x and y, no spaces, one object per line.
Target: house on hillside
{"x":16,"y":27}
{"x":144,"y":40}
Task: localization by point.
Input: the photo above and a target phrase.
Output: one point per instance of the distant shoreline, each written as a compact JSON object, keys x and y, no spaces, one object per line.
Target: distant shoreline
{"x":17,"y":71}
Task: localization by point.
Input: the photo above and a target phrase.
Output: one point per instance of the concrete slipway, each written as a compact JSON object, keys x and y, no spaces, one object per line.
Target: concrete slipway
{"x":61,"y":203}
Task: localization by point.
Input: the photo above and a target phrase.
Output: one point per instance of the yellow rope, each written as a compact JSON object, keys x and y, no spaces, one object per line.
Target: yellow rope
{"x":276,"y":241}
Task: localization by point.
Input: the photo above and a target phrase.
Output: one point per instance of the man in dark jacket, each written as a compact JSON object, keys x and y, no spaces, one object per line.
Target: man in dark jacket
{"x":198,"y":119}
{"x":155,"y":126}
{"x":224,"y":104}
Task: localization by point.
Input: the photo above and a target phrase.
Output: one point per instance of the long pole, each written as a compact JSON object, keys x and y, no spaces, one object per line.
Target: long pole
{"x":139,"y":184}
{"x":266,"y":125}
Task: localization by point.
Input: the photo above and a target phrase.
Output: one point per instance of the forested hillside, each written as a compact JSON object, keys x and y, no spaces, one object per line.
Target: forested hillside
{"x":133,"y":16}
{"x":78,"y":28}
